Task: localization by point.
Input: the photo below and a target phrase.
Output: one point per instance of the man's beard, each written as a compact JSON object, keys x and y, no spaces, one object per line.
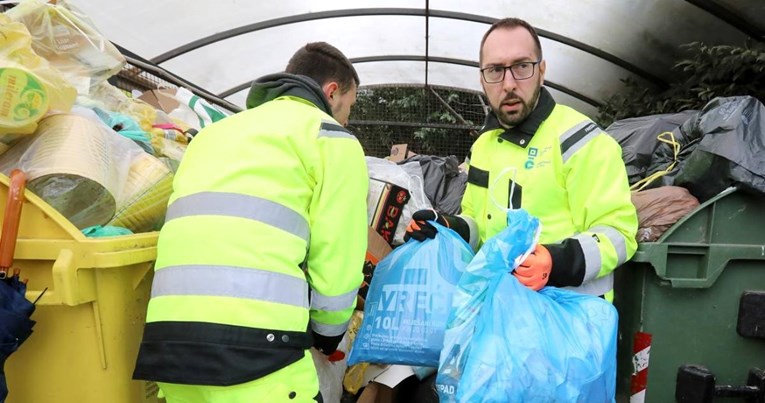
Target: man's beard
{"x":512,"y":119}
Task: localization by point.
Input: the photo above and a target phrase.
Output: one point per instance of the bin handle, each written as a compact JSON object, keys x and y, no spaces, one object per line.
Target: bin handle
{"x":10,"y":231}
{"x":715,"y":258}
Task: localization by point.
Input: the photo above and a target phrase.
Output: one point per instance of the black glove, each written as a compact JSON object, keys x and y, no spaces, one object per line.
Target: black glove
{"x":420,"y":229}
{"x":326,"y":344}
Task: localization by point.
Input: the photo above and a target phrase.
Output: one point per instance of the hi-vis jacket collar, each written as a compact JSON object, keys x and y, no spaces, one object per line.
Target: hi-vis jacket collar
{"x":521,"y":135}
{"x":272,"y":86}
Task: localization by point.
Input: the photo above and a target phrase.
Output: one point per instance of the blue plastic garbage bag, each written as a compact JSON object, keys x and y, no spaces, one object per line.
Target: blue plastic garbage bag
{"x":408,"y":302}
{"x":507,"y":343}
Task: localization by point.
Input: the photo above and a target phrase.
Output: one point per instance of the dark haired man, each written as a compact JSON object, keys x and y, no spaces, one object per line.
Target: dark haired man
{"x":262,"y":250}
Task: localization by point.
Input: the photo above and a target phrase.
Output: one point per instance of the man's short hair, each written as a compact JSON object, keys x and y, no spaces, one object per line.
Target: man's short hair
{"x":510,"y":23}
{"x":323,"y":63}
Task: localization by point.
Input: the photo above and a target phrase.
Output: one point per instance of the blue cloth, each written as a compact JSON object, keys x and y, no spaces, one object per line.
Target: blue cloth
{"x":507,"y":343}
{"x":127,"y":127}
{"x":98,"y":231}
{"x":409,"y":299}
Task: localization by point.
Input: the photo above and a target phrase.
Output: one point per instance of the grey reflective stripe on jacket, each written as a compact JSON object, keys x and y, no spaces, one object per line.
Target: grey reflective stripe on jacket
{"x":329,"y":330}
{"x":617,"y":240}
{"x":332,"y":129}
{"x":592,"y":284}
{"x":473,"y":228}
{"x":592,"y":259}
{"x":336,"y":303}
{"x":240,"y":206}
{"x":230,"y":281}
{"x":575,"y":138}
{"x":597,"y":287}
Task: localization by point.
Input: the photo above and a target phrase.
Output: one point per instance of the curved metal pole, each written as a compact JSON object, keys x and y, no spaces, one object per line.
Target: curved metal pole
{"x":208,"y":40}
{"x":447,"y":60}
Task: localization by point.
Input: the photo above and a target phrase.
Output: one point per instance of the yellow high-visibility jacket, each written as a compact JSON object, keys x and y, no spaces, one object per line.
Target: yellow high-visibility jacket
{"x":569,"y":174}
{"x":263,"y":244}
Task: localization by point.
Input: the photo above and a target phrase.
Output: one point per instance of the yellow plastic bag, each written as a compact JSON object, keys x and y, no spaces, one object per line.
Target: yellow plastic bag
{"x":68,"y":39}
{"x":354,"y":375}
{"x":143,"y":203}
{"x":29,"y":86}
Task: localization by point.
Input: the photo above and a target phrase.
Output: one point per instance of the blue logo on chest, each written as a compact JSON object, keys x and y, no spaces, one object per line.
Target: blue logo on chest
{"x":532,"y":154}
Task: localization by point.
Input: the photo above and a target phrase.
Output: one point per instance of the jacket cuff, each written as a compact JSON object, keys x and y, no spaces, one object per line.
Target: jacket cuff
{"x":568,"y":265}
{"x":326,"y":344}
{"x":459,"y":225}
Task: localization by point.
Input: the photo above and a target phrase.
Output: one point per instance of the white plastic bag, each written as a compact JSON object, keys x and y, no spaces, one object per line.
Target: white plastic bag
{"x":408,"y":176}
{"x":331,"y":373}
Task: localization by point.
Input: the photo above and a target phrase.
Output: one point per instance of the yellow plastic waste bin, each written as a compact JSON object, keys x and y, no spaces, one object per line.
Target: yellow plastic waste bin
{"x":90,"y":318}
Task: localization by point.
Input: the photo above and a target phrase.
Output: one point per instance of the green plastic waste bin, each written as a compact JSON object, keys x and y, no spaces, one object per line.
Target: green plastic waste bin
{"x":687,"y":299}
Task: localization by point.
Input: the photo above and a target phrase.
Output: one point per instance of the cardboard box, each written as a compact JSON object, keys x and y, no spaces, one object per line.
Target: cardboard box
{"x":377,"y":249}
{"x":162,"y":99}
{"x":385,"y":205}
{"x":400,"y":152}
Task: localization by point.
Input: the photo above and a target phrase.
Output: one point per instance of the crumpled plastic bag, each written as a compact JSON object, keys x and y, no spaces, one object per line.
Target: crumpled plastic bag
{"x":407,"y":176}
{"x":30,"y":87}
{"x":331,"y":373}
{"x":127,"y":127}
{"x":111,"y":98}
{"x":69,"y":40}
{"x":507,"y":343}
{"x":659,"y":208}
{"x":76,"y":164}
{"x":205,"y":114}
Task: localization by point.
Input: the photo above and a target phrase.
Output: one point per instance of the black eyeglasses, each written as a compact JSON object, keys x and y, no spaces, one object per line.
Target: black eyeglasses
{"x":519,"y":71}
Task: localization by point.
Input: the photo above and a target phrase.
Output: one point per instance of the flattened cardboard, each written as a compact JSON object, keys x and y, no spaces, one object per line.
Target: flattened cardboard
{"x":400,"y":152}
{"x":377,"y":249}
{"x":162,"y":99}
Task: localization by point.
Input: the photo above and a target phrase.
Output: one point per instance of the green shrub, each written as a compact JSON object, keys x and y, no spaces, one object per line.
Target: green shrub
{"x":705,"y":73}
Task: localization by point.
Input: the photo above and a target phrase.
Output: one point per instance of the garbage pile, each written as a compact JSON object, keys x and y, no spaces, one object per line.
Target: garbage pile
{"x":676,"y":161}
{"x":102,"y":157}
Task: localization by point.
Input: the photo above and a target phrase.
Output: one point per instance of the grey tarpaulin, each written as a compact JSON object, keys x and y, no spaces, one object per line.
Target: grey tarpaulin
{"x":444,"y":183}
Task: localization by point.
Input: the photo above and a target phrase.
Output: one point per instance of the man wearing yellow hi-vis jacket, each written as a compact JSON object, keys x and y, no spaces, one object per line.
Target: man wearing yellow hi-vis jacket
{"x":262,"y":250}
{"x":550,"y":160}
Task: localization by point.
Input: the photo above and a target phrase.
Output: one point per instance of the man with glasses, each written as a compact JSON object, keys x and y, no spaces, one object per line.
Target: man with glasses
{"x":550,"y":160}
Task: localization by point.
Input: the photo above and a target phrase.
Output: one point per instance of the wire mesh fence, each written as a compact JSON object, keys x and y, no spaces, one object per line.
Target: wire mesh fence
{"x":430,"y":120}
{"x":133,"y":77}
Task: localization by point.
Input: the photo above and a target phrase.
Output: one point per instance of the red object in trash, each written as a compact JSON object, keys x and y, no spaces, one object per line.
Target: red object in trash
{"x":11,"y":220}
{"x":338,"y":355}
